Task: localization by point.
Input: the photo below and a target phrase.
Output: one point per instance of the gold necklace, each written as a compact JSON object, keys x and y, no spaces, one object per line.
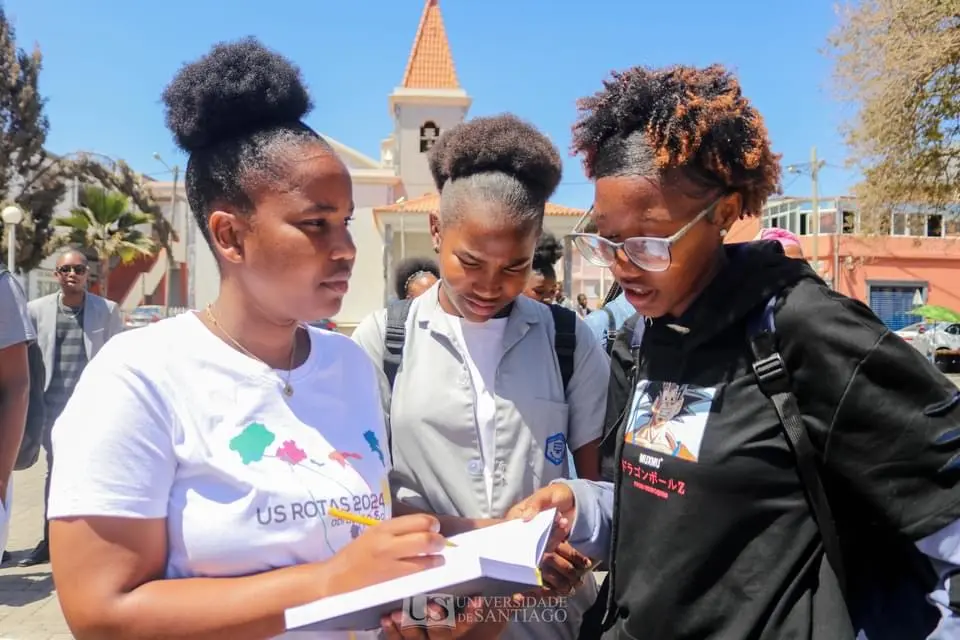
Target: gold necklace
{"x":287,"y":387}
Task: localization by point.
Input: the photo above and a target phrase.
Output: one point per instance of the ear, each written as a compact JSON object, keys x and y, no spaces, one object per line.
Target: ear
{"x":226,"y":234}
{"x":728,"y":211}
{"x":435,"y":232}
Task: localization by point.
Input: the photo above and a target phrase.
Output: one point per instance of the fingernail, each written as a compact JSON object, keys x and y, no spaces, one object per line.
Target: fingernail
{"x":435,"y":526}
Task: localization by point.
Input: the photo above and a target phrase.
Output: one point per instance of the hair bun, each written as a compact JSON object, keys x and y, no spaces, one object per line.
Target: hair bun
{"x":549,"y":250}
{"x":237,"y":88}
{"x":501,"y":143}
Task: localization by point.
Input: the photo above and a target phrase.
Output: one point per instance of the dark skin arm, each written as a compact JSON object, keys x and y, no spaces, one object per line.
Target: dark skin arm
{"x":14,"y":400}
{"x":109,"y":571}
{"x":587,"y":460}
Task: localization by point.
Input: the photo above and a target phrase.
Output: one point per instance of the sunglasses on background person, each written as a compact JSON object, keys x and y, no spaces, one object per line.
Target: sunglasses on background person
{"x":79,"y":269}
{"x":650,"y":254}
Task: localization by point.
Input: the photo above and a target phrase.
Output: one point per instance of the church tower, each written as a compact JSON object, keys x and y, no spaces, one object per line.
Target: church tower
{"x":428,"y":101}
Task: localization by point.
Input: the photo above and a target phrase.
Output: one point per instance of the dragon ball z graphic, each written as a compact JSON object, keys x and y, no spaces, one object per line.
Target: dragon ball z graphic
{"x":669,"y":418}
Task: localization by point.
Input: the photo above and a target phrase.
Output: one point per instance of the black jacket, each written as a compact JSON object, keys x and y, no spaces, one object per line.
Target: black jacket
{"x":713,"y":537}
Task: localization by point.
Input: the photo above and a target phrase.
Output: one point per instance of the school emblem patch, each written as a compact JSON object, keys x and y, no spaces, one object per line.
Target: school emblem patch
{"x":556,"y":449}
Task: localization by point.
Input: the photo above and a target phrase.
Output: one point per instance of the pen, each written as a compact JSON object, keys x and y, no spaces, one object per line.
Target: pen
{"x":358,"y":519}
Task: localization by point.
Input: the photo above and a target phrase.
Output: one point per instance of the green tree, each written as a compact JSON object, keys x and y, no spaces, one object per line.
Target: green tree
{"x":897,"y":63}
{"x":105,"y":225}
{"x":25,"y":178}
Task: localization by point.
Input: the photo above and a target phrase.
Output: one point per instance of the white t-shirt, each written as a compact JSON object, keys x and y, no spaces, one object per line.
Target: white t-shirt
{"x":482,"y":344}
{"x":167,"y":421}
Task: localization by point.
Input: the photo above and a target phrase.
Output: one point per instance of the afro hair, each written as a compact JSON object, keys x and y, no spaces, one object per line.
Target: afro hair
{"x":503,"y":144}
{"x":691,"y":118}
{"x":236,"y":89}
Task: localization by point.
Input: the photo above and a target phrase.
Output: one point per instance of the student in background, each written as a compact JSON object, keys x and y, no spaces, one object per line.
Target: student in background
{"x":542,"y":284}
{"x":480,"y":411}
{"x":413,"y":276}
{"x":190,"y":445}
{"x":72,"y":326}
{"x":787,"y":239}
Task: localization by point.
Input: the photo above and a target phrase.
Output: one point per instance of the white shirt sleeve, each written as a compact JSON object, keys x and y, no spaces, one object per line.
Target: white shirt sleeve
{"x":113,"y":445}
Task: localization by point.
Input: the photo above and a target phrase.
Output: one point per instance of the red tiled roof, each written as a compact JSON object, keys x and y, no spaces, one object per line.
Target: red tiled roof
{"x":430,"y":65}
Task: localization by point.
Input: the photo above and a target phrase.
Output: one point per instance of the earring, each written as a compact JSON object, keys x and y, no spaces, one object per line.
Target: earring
{"x":723,"y":233}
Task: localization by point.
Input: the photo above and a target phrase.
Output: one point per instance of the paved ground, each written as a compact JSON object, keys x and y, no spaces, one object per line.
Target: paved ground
{"x":28,"y":605}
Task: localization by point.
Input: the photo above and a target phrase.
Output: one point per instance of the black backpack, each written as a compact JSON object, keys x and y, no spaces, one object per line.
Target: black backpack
{"x":395,"y":335}
{"x":33,"y":429}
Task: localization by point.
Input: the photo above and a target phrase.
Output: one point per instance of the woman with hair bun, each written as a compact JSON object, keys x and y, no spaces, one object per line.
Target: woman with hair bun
{"x":480,"y":413}
{"x":542,"y":284}
{"x":191,"y":500}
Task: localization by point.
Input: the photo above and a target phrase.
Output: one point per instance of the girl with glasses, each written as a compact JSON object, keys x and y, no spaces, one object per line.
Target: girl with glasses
{"x":786,"y":466}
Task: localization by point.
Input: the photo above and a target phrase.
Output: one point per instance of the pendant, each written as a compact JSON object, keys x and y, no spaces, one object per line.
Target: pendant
{"x":287,"y":390}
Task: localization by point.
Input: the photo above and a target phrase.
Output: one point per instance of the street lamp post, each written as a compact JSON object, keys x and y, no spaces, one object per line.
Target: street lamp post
{"x":12,"y":217}
{"x":813,"y":168}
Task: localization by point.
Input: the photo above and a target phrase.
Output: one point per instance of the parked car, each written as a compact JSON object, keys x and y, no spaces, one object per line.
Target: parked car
{"x":939,"y":341}
{"x":143,"y":315}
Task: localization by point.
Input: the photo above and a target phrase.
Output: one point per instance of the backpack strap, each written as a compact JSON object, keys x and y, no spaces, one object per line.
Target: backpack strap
{"x":774,"y":381}
{"x":611,"y":330}
{"x":394,"y":337}
{"x":564,"y":340}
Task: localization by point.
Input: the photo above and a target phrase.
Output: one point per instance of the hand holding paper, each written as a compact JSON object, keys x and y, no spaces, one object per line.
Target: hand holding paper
{"x":499,"y":560}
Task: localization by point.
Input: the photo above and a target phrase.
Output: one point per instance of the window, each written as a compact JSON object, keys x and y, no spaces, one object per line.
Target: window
{"x":899,"y":225}
{"x":429,"y":133}
{"x":952,"y":226}
{"x":849,"y":222}
{"x":934,"y":226}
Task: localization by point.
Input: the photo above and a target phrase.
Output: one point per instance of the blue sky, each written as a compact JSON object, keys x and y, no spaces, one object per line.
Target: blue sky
{"x":107,"y":62}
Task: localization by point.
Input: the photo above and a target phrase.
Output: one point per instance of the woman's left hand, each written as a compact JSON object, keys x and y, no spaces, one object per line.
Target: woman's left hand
{"x":468,"y":624}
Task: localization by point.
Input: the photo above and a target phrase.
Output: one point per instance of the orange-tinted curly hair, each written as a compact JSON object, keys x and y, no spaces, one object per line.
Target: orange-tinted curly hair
{"x":688,"y":118}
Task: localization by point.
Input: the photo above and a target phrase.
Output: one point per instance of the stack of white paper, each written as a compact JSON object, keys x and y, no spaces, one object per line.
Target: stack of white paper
{"x":499,"y":560}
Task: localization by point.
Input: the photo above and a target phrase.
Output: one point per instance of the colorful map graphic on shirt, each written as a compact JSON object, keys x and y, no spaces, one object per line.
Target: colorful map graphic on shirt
{"x":252,"y":442}
{"x":374,"y":444}
{"x":257,"y":444}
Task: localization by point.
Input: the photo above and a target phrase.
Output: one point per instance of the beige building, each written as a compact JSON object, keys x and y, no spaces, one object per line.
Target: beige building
{"x":394,"y":194}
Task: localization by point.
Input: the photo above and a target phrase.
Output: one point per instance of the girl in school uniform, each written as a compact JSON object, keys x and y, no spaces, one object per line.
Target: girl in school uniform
{"x":198,"y":458}
{"x":479,"y":414}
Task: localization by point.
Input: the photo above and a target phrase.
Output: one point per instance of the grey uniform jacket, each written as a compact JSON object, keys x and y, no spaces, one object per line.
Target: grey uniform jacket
{"x":437,"y":463}
{"x":101,"y":321}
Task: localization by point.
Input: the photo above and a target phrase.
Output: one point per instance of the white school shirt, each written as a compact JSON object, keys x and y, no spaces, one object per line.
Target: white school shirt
{"x":482,"y":348}
{"x":167,"y":421}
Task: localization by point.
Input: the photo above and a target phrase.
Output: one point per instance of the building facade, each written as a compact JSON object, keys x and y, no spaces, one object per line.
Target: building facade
{"x":891,"y":265}
{"x":161,"y":279}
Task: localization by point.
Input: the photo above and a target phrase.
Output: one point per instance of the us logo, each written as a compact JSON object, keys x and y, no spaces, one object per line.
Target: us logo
{"x":556,"y":448}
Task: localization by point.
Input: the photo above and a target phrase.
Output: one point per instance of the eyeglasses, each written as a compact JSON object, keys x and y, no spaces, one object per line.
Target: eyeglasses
{"x":650,"y":254}
{"x":78,"y":269}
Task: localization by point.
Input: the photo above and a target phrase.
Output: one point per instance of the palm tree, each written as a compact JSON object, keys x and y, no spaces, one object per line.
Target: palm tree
{"x":105,"y":224}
